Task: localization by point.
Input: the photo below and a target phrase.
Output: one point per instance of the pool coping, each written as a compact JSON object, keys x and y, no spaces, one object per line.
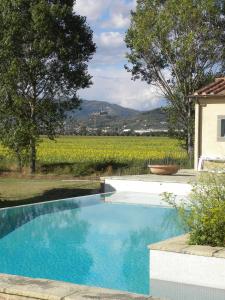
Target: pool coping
{"x":75,"y":198}
{"x":15,"y":287}
{"x":183,"y":176}
{"x":180,"y":245}
{"x":20,"y":288}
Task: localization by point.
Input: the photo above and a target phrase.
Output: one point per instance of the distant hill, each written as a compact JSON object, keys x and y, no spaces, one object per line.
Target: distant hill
{"x":112,"y":117}
{"x":91,"y":108}
{"x":155,"y":118}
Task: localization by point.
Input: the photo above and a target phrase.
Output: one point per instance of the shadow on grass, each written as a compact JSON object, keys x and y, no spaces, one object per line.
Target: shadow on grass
{"x":52,"y":194}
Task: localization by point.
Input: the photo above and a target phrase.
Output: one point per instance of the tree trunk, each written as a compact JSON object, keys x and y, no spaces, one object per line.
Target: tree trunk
{"x":19,"y":161}
{"x":33,"y":140}
{"x":32,"y":156}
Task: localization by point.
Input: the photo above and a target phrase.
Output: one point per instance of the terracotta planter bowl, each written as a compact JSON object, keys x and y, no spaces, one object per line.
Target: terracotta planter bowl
{"x":164,"y":169}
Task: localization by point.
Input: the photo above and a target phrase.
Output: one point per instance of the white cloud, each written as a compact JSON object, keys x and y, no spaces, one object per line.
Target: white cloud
{"x":118,"y":11}
{"x":111,"y":48}
{"x":109,"y":19}
{"x":92,"y":9}
{"x":110,"y":39}
{"x":119,"y":14}
{"x":117,"y":20}
{"x":115,"y":86}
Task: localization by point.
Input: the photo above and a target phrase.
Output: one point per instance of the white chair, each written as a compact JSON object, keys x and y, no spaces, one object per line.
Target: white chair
{"x":203,"y":158}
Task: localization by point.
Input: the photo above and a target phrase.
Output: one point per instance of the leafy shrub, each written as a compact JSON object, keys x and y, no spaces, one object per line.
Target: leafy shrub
{"x":204,"y":214}
{"x":83,"y":168}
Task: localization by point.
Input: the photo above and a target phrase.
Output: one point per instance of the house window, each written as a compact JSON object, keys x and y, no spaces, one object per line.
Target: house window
{"x":221,"y":128}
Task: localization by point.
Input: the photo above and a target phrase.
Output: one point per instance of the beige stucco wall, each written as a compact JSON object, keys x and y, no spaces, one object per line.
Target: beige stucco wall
{"x":206,"y":127}
{"x":197,"y":137}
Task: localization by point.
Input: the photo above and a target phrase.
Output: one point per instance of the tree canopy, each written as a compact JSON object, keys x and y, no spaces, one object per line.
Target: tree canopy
{"x":44,"y":50}
{"x":178,"y":46}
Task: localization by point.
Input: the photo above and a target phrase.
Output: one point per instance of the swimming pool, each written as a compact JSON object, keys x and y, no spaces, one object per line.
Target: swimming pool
{"x":85,"y":240}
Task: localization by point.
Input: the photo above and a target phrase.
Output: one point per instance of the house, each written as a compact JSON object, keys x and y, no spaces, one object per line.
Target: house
{"x":210,"y":122}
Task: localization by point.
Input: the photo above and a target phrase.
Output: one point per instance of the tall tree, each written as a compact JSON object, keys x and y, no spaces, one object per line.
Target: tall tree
{"x":44,"y":50}
{"x":178,"y":46}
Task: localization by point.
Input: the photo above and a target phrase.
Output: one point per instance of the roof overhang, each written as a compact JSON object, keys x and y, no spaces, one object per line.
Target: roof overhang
{"x":215,"y":89}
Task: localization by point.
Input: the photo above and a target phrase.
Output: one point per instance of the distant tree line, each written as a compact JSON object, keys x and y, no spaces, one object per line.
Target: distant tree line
{"x":86,"y":131}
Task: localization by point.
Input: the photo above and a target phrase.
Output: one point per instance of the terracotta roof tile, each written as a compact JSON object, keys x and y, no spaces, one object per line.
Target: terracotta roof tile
{"x":215,"y":88}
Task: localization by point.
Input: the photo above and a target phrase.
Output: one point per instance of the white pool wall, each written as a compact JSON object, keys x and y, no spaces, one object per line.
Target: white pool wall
{"x":188,"y":269}
{"x":140,"y":198}
{"x":152,"y":187}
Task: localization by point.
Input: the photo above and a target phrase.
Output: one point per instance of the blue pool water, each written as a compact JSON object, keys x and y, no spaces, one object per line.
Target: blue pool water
{"x":84,"y":240}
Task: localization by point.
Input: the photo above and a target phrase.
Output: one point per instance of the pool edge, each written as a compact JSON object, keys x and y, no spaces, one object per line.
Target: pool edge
{"x":17,"y":287}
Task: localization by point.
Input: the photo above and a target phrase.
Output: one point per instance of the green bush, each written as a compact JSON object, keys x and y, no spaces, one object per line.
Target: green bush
{"x":86,"y":168}
{"x":204,"y":214}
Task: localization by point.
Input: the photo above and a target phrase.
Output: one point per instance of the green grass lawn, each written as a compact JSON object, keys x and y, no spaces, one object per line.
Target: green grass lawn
{"x":22,"y":191}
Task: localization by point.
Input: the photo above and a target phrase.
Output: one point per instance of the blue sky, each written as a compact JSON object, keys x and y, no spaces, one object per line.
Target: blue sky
{"x":109,"y":20}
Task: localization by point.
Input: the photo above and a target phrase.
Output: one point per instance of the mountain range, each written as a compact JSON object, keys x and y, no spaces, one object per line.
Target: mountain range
{"x":101,"y":114}
{"x":89,"y":108}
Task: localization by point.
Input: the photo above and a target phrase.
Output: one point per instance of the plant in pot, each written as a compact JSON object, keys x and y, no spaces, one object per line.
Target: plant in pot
{"x":167,"y":166}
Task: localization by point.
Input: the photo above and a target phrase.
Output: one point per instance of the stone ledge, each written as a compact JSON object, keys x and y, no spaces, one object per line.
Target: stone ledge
{"x":14,"y":287}
{"x":180,"y":245}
